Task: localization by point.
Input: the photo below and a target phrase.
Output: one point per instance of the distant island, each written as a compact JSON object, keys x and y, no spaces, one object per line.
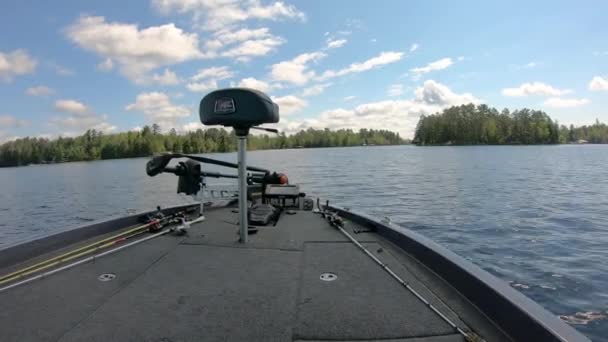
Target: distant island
{"x":483,"y":125}
{"x":94,"y":145}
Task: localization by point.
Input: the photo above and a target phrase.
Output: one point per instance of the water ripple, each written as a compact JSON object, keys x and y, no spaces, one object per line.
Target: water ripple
{"x":534,"y":216}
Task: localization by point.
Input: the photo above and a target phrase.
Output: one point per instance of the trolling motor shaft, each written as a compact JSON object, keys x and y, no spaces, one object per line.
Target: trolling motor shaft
{"x":242,"y":161}
{"x":241,"y":109}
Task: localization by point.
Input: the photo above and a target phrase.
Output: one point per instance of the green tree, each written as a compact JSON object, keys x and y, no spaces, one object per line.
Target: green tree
{"x":470,"y":124}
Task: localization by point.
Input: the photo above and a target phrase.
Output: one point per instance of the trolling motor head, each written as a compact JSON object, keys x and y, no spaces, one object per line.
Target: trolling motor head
{"x":158,"y":164}
{"x":240,"y":108}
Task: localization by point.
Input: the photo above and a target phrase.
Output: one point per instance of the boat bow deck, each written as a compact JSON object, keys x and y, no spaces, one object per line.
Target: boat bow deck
{"x":207,"y":286}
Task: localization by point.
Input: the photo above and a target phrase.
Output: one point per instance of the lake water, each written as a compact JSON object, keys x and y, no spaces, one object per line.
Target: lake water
{"x":536,"y":216}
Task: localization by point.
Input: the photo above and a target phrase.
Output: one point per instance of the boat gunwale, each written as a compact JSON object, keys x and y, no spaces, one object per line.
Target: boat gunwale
{"x":516,"y":314}
{"x":23,"y":251}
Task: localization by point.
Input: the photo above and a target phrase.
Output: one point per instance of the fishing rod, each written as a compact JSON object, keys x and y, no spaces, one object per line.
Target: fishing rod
{"x":82,"y":261}
{"x":85,"y":249}
{"x":338,"y":222}
{"x":63,"y":259}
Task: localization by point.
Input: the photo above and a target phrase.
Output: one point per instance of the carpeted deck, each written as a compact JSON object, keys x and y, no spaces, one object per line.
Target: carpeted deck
{"x":208,"y":287}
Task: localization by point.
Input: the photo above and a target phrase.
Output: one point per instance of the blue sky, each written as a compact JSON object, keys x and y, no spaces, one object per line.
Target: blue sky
{"x":66,"y":66}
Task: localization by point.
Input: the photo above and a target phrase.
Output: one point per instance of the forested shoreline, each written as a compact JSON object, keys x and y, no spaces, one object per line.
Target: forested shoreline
{"x":94,"y":145}
{"x":458,"y":125}
{"x":483,"y":125}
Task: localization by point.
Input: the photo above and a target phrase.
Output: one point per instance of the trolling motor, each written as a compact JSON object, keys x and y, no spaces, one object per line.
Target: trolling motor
{"x":192,"y":178}
{"x":241,"y":109}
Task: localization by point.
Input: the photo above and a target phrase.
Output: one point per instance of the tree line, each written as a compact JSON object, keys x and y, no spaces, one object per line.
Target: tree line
{"x":481,"y":124}
{"x":593,"y":134}
{"x":94,"y":145}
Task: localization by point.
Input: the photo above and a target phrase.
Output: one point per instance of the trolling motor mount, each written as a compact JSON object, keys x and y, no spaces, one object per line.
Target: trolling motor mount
{"x":241,"y":109}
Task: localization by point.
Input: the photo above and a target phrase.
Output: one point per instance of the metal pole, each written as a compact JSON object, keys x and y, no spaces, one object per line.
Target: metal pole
{"x":243,"y":187}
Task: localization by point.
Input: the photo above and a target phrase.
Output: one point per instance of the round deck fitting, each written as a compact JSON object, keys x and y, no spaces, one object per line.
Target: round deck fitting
{"x":106,"y":277}
{"x":328,"y":276}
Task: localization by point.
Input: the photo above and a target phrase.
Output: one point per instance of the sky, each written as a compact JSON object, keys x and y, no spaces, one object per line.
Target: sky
{"x":69,"y":66}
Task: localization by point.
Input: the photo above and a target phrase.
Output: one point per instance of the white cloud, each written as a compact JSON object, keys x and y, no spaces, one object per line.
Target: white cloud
{"x":296,"y":71}
{"x":276,"y":11}
{"x":71,"y":107}
{"x":250,"y":48}
{"x":380,"y":60}
{"x":315,"y":90}
{"x":557,"y":102}
{"x":535,"y":88}
{"x":137,"y":51}
{"x":598,"y":83}
{"x":67,"y":134}
{"x":243,"y":44}
{"x":202,"y":87}
{"x":192,"y":126}
{"x":104,"y":126}
{"x":5,"y":137}
{"x":349,"y":98}
{"x":335,"y":43}
{"x":211,"y":47}
{"x":289,"y":104}
{"x":254,"y":83}
{"x":529,"y":65}
{"x":216,"y":73}
{"x":106,"y":65}
{"x":168,"y":77}
{"x":435,"y":93}
{"x":225,"y":37}
{"x":433,"y":66}
{"x":15,"y":63}
{"x":136,"y":129}
{"x":414,"y":47}
{"x":213,"y":15}
{"x":158,"y":108}
{"x":397,"y":115}
{"x":60,"y":69}
{"x":80,"y":117}
{"x":7,"y":121}
{"x":207,"y":79}
{"x":39,"y":91}
{"x":395,"y":90}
